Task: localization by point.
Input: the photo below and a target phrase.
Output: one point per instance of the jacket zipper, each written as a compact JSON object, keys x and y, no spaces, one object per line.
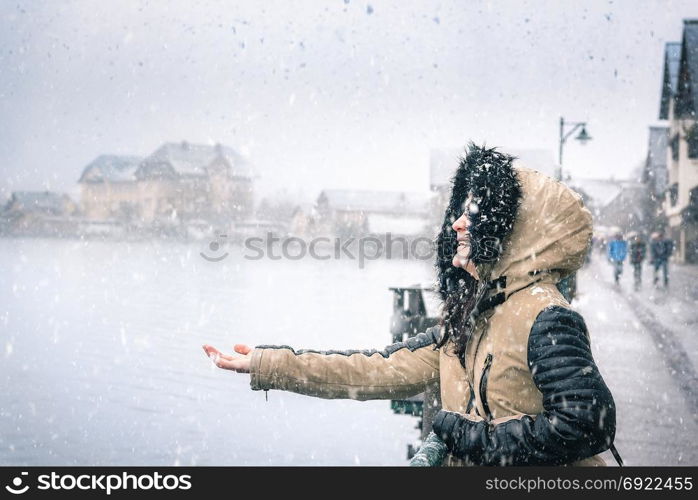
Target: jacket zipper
{"x":471,"y":399}
{"x":483,"y":386}
{"x":471,"y":371}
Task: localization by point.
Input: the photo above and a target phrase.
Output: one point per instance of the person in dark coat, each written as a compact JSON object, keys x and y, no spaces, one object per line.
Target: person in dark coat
{"x":638,"y":253}
{"x":661,"y":249}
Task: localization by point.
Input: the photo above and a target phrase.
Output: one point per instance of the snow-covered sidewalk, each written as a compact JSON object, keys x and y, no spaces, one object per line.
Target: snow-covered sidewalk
{"x":637,"y":356}
{"x":675,"y":307}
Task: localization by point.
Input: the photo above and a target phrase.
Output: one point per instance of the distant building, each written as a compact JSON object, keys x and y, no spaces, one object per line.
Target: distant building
{"x":679,"y":105}
{"x":596,"y":193}
{"x":40,"y":213}
{"x":655,"y":175}
{"x":109,"y":188}
{"x":614,"y":204}
{"x":178,"y":182}
{"x":627,"y":210}
{"x":304,"y":220}
{"x":346,"y":212}
{"x":670,"y":77}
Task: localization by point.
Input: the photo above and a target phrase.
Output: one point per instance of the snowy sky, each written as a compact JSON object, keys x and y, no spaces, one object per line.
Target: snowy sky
{"x":335,"y":93}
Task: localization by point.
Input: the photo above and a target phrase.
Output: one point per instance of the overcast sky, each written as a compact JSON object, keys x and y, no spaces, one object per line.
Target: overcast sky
{"x":336,"y":93}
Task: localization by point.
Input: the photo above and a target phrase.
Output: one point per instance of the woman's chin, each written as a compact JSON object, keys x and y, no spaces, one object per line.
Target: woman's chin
{"x":460,"y":261}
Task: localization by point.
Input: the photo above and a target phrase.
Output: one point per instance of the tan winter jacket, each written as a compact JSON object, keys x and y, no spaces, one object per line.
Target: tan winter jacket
{"x":552,"y":397}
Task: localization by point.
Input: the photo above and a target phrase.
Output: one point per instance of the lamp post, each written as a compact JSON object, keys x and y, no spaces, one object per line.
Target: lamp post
{"x":582,"y":137}
{"x":568,"y":285}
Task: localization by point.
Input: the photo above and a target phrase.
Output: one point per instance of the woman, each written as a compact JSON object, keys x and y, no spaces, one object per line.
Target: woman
{"x":518,"y":382}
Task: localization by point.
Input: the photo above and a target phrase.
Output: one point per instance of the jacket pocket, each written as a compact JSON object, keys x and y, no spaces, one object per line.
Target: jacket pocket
{"x":483,"y":386}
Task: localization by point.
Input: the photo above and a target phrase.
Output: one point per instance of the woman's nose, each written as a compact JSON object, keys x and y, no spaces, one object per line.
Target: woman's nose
{"x":461,"y":224}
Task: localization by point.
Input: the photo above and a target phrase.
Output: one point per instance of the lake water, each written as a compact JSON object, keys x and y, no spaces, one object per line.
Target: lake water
{"x":101,"y":360}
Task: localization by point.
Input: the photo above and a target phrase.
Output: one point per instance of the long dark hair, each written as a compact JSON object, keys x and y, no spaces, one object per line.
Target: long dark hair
{"x":456,"y":310}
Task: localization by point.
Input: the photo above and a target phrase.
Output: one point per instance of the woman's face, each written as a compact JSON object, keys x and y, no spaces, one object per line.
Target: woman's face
{"x":460,"y":226}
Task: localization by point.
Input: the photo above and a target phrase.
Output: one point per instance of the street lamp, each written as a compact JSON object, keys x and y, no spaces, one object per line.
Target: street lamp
{"x":582,"y":137}
{"x":568,"y":285}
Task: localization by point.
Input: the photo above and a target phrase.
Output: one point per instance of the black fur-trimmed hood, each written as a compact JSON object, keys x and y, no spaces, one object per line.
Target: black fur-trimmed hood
{"x":491,"y":178}
{"x":526,"y":230}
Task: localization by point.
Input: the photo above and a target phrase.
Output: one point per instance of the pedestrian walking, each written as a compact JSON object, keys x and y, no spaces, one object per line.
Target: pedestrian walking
{"x":638,"y":253}
{"x":603,"y":245}
{"x":661,"y":249}
{"x":519,"y":385}
{"x":617,"y":252}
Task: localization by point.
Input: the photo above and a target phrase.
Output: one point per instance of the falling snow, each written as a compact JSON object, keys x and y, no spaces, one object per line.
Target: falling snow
{"x":104,"y":308}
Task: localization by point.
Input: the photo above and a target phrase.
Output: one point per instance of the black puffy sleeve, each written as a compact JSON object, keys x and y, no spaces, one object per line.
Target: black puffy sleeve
{"x":579,"y":417}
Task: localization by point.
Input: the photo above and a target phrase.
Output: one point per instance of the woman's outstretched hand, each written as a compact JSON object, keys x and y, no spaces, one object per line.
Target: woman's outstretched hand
{"x":239,"y":363}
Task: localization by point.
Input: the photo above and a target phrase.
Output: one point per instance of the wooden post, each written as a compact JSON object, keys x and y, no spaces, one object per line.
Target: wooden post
{"x":432,"y":405}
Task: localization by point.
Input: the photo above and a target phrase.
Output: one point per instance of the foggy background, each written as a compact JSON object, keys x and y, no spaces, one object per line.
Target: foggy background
{"x":325,"y":94}
{"x":107,"y":297}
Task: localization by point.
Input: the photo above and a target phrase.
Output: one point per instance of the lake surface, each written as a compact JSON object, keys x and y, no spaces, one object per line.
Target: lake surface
{"x":101,"y":360}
